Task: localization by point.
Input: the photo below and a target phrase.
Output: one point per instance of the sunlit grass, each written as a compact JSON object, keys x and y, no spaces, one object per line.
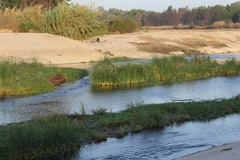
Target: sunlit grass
{"x":22,"y":78}
{"x":161,"y":70}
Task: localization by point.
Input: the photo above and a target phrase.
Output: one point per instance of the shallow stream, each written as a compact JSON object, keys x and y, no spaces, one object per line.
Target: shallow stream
{"x":70,"y":98}
{"x":172,"y":142}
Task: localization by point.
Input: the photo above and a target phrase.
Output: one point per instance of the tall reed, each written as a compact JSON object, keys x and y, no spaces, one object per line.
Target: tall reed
{"x":161,"y":70}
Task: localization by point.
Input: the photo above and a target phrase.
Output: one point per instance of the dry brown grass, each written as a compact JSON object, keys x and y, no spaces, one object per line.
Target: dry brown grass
{"x":166,"y":46}
{"x":9,"y":19}
{"x":224,"y":25}
{"x":196,"y":43}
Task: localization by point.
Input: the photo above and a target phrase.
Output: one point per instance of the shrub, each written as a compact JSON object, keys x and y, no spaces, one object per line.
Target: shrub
{"x":28,"y":27}
{"x":73,"y":21}
{"x":122,"y":25}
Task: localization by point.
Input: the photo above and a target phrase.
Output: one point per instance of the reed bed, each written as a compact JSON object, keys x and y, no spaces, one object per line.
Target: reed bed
{"x":22,"y":78}
{"x":58,"y":137}
{"x":161,"y":70}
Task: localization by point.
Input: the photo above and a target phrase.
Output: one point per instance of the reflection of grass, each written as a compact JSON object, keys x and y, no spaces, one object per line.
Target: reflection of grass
{"x":21,"y":78}
{"x":57,"y":137}
{"x":160,"y":70}
{"x":165,"y":46}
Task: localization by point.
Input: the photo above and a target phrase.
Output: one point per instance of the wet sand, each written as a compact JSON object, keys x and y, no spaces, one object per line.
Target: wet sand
{"x":229,"y":151}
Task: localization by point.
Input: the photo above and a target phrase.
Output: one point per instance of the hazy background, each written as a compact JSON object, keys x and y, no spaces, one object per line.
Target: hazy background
{"x":152,"y":5}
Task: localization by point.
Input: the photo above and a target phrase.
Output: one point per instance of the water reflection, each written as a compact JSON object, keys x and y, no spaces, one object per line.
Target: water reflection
{"x":172,"y":142}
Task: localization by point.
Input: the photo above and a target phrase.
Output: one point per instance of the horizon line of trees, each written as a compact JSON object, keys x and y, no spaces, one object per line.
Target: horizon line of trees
{"x":80,"y":21}
{"x":200,"y":16}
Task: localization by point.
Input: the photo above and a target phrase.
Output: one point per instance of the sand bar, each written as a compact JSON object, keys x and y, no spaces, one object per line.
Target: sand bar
{"x":229,"y":151}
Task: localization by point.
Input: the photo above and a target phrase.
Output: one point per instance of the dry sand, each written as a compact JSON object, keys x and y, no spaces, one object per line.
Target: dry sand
{"x":51,"y":49}
{"x":65,"y":52}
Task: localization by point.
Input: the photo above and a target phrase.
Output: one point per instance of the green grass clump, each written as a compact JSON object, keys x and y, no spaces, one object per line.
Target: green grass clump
{"x":48,"y":138}
{"x":21,"y":78}
{"x":58,"y":137}
{"x":161,"y":70}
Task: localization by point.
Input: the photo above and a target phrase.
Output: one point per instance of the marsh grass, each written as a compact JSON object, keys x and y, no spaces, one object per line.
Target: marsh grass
{"x":160,"y":70}
{"x":58,"y":137}
{"x":22,"y":78}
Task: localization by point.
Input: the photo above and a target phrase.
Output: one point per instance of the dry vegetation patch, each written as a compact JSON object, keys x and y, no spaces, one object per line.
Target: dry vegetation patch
{"x":167,"y":46}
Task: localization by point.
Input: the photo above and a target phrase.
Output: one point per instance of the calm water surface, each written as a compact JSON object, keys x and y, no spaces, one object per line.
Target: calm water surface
{"x":172,"y":142}
{"x":70,"y":97}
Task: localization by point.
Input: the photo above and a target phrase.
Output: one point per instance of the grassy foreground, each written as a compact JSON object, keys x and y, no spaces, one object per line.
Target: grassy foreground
{"x":22,"y":78}
{"x":58,"y":137}
{"x":161,"y":70}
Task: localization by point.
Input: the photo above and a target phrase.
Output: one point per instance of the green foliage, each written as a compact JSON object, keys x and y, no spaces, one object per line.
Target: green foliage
{"x":9,"y":4}
{"x":48,"y":138}
{"x":122,"y":25}
{"x":21,"y":78}
{"x":73,"y":21}
{"x":161,"y":70}
{"x":27,"y":27}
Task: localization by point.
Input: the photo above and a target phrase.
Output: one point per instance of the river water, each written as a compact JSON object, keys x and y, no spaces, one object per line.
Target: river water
{"x":172,"y":142}
{"x":70,"y":98}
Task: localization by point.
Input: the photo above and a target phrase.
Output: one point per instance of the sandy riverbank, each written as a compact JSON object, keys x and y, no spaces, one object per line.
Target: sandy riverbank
{"x":229,"y":151}
{"x":65,"y":52}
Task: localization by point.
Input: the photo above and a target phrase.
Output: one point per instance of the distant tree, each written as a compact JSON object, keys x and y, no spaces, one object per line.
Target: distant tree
{"x":170,"y":17}
{"x":152,"y":19}
{"x":218,"y":13}
{"x":236,"y":17}
{"x":137,"y":15}
{"x":187,"y":18}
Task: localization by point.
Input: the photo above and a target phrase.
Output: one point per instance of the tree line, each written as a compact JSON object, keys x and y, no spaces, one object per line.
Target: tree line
{"x":80,"y":21}
{"x":200,"y":16}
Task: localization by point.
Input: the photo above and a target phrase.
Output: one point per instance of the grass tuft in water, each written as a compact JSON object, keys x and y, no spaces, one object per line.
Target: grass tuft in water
{"x":160,"y":70}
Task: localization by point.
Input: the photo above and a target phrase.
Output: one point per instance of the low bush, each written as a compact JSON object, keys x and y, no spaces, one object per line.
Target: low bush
{"x":122,"y":25}
{"x":73,"y":21}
